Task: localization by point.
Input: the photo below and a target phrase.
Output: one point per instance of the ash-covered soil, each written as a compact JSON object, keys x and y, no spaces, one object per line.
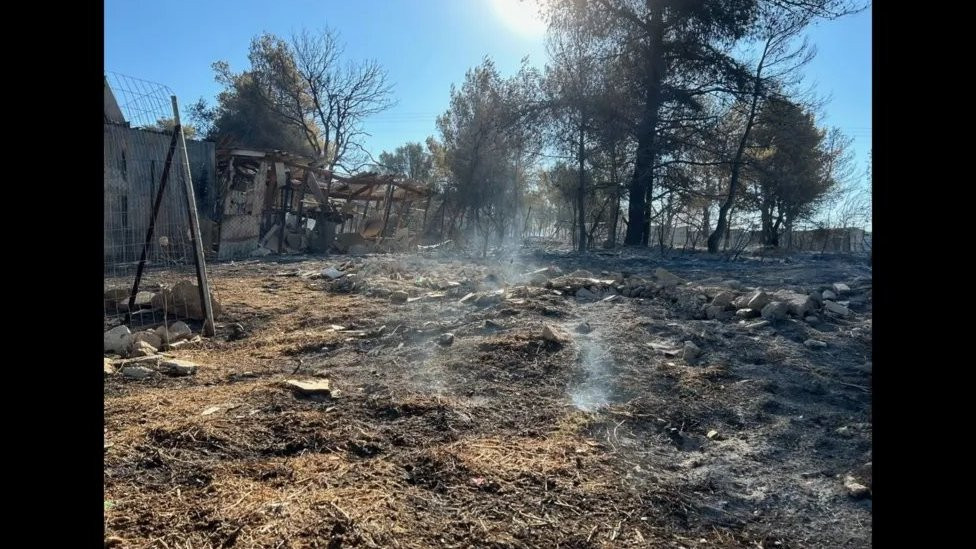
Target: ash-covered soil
{"x":615,"y":436}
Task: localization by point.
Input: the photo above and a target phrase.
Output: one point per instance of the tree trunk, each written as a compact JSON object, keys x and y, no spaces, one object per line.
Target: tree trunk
{"x":638,"y":225}
{"x":612,"y":237}
{"x":739,"y":153}
{"x":581,"y":193}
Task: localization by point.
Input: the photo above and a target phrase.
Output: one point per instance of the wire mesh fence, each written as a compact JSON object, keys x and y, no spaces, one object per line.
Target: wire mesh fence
{"x":150,"y":252}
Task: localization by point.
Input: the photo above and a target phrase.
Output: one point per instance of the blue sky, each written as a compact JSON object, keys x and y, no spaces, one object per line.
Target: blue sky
{"x":426,"y":45}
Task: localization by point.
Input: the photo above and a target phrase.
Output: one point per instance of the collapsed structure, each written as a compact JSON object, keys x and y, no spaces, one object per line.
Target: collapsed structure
{"x":276,"y":202}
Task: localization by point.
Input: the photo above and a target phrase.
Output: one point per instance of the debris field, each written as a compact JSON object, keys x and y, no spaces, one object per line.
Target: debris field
{"x":542,"y":399}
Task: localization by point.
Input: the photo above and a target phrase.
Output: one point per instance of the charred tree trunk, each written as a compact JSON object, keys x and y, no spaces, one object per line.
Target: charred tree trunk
{"x":723,"y":210}
{"x":638,"y":224}
{"x":581,"y":195}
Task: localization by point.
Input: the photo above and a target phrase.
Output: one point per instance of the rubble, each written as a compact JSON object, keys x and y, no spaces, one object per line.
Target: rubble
{"x":775,"y":311}
{"x":177,"y":331}
{"x":836,"y":309}
{"x":723,"y":300}
{"x":746,"y":313}
{"x":554,"y":334}
{"x":855,"y":489}
{"x":116,"y":340}
{"x":140,"y":348}
{"x":758,"y":300}
{"x":183,"y":299}
{"x":176,"y":367}
{"x":690,"y":351}
{"x":137,"y":372}
{"x":315,"y":387}
{"x":667,"y":278}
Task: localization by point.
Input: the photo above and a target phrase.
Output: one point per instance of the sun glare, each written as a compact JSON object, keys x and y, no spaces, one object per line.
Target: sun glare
{"x":522,"y":16}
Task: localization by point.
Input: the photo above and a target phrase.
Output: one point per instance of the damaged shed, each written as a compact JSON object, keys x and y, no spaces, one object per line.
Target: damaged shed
{"x":278,"y":202}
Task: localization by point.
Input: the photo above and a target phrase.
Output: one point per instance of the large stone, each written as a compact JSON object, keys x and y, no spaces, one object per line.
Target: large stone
{"x":116,"y":340}
{"x":690,"y":352}
{"x":828,"y":295}
{"x":816,"y":297}
{"x":840,"y":288}
{"x":146,"y":336}
{"x":183,"y":300}
{"x":176,"y":367}
{"x":144,"y":299}
{"x":313,"y":387}
{"x":799,"y":304}
{"x":837,"y":309}
{"x":667,"y":278}
{"x":140,"y":348}
{"x":775,"y":311}
{"x":177,"y":331}
{"x":758,"y":300}
{"x":583,"y":293}
{"x":137,"y":372}
{"x":723,"y":300}
{"x":554,"y":334}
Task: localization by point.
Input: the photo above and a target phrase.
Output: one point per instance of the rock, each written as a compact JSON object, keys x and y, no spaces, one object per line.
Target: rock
{"x":581,"y":274}
{"x":827,"y":294}
{"x":723,"y":300}
{"x":815,"y":344}
{"x":311,"y":387}
{"x":176,"y":367}
{"x":712,"y":311}
{"x":690,"y":352}
{"x":445,"y":339}
{"x":109,"y":368}
{"x":713,"y":435}
{"x":583,"y":293}
{"x":137,"y":372}
{"x":332,"y":273}
{"x":399,"y":297}
{"x":467,"y":297}
{"x":816,"y":297}
{"x":116,"y":340}
{"x":177,"y":331}
{"x":490,"y":298}
{"x":758,"y":300}
{"x":799,"y":304}
{"x":584,"y":328}
{"x":140,"y":348}
{"x":144,"y":299}
{"x":757,"y":325}
{"x":183,"y":300}
{"x":836,"y":309}
{"x":840,"y":288}
{"x":554,"y":334}
{"x":237,"y":332}
{"x":147,"y":336}
{"x":667,"y":278}
{"x":746,"y":313}
{"x":855,"y":489}
{"x":812,"y":319}
{"x":775,"y":311}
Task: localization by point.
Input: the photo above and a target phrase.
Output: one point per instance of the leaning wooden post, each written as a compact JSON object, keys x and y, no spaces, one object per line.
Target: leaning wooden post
{"x":191,"y":207}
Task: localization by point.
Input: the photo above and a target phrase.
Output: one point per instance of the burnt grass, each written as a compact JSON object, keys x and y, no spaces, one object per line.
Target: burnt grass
{"x":500,"y":439}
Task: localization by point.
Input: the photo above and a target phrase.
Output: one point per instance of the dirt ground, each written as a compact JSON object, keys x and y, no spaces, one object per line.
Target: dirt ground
{"x":500,"y":438}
